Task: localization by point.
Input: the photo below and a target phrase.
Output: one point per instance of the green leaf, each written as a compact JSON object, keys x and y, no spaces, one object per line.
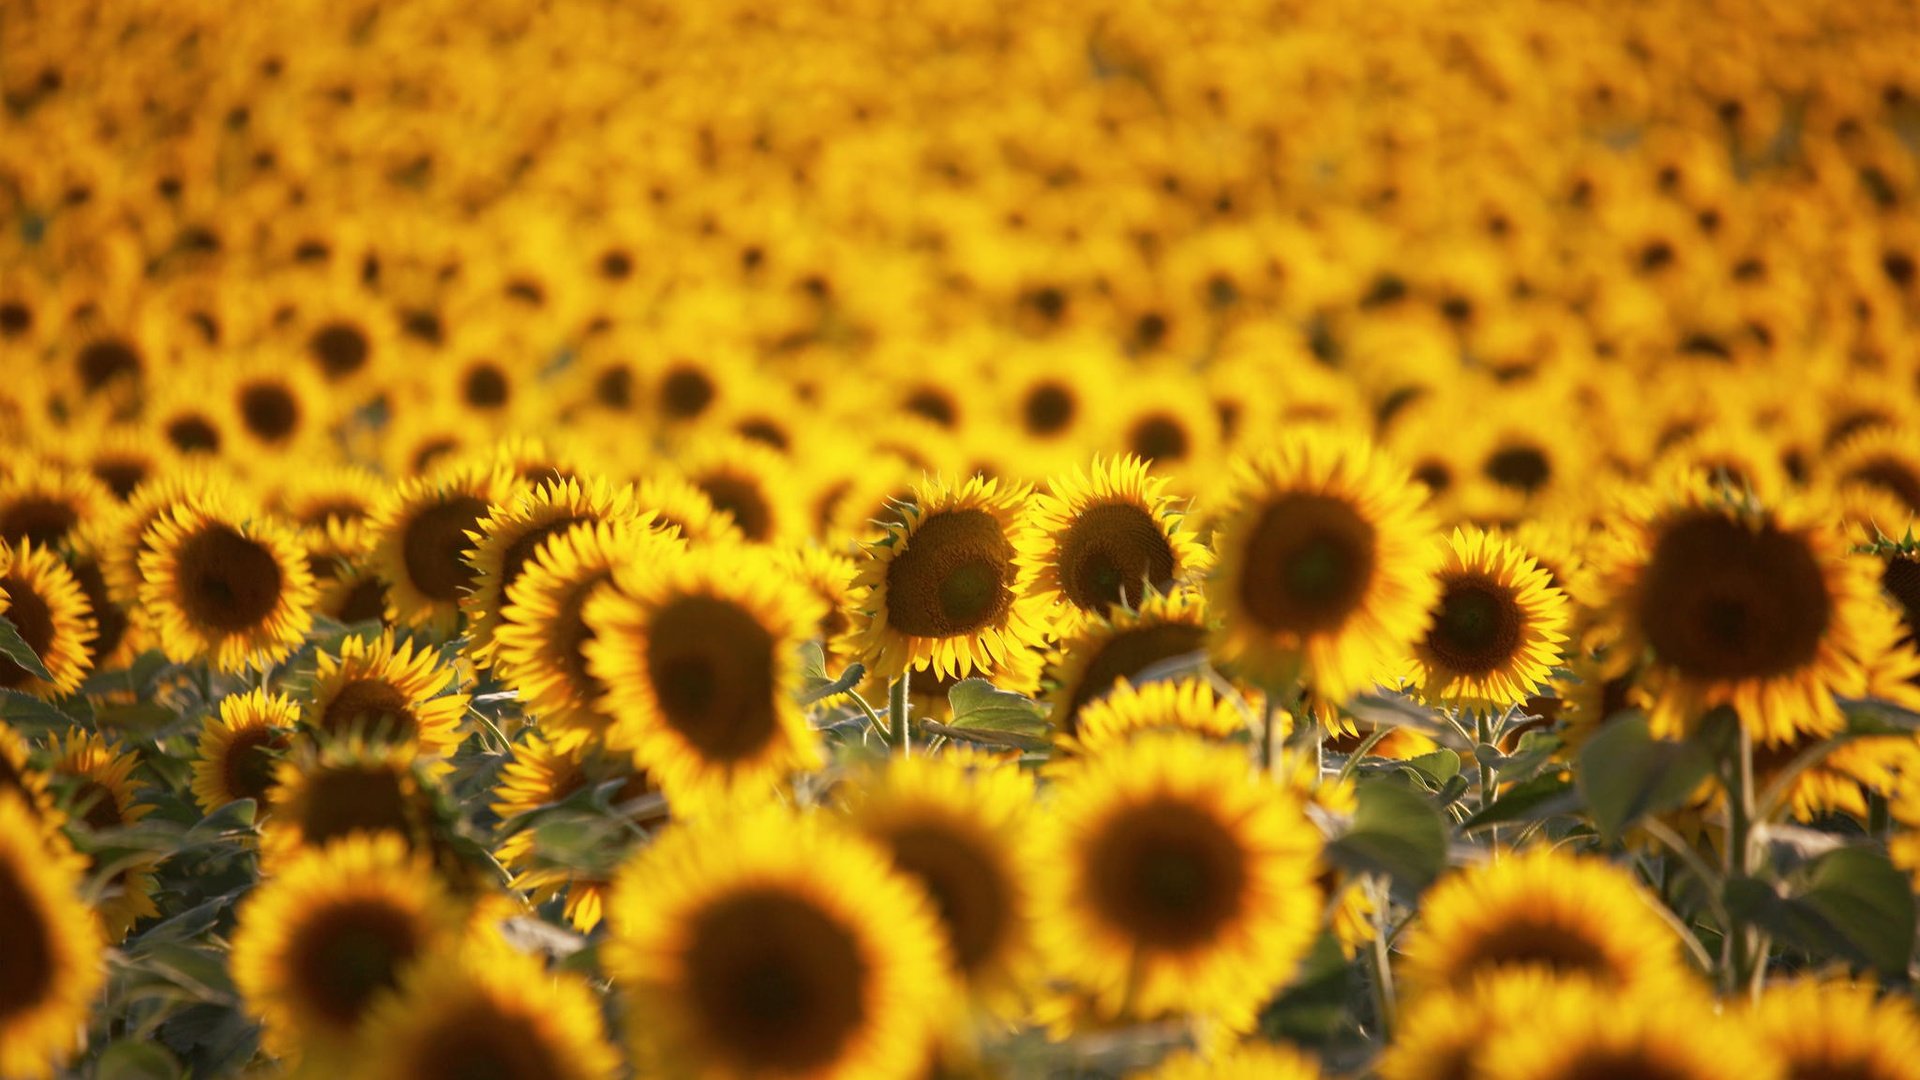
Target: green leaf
{"x":136,"y":1061}
{"x":143,"y":718}
{"x":1533,"y":753}
{"x":1866,"y":901}
{"x":980,"y":706}
{"x":1435,"y":769}
{"x":1397,"y":832}
{"x":234,"y":818}
{"x":32,"y":715}
{"x":1626,"y":773}
{"x":1314,"y":1006}
{"x":1541,"y":797}
{"x":15,"y":648}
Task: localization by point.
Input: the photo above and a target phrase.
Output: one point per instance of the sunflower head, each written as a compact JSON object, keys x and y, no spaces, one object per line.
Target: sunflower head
{"x":98,"y":787}
{"x":1189,"y":705}
{"x":226,"y":588}
{"x":1109,"y":539}
{"x":50,"y":611}
{"x":423,"y":533}
{"x":240,"y":748}
{"x":44,"y":503}
{"x":1496,"y":631}
{"x":1578,"y":1029}
{"x":947,"y":584}
{"x":54,"y":951}
{"x":347,"y":788}
{"x":1325,"y":566}
{"x":376,"y":689}
{"x":1122,"y":645}
{"x":1833,"y":1028}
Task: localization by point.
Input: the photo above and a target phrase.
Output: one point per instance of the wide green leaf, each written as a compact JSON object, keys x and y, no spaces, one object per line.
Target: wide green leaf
{"x":15,"y":648}
{"x":1542,"y":797}
{"x":1396,"y":831}
{"x":136,"y":1061}
{"x":1625,"y":773}
{"x":980,"y":706}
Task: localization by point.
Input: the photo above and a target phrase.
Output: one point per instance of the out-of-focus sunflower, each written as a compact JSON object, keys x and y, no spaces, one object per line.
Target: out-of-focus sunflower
{"x":676,"y":503}
{"x":194,"y":423}
{"x":126,"y":538}
{"x":507,"y":540}
{"x":1882,"y":459}
{"x":312,"y":497}
{"x":1830,"y":1028}
{"x":1497,"y":629}
{"x":277,"y":405}
{"x":1247,"y":1061}
{"x":486,"y":1011}
{"x":1167,"y":420}
{"x":1108,"y":539}
{"x":540,"y":774}
{"x":338,"y":554}
{"x":49,"y":610}
{"x":543,"y":636}
{"x":240,"y":746}
{"x":1085,"y":665}
{"x":349,"y":340}
{"x":1188,"y":705}
{"x":957,"y":823}
{"x":949,"y":585}
{"x":749,"y":482}
{"x":53,"y":947}
{"x":685,"y":386}
{"x":710,"y":916}
{"x":47,"y":503}
{"x":829,"y":576}
{"x":1444,"y":1032}
{"x":1579,"y":1030}
{"x":379,"y":690}
{"x":1055,"y":403}
{"x":344,"y":789}
{"x":1546,"y":910}
{"x":323,"y":940}
{"x":123,"y":456}
{"x":117,"y":641}
{"x":1172,"y":880}
{"x":422,"y":532}
{"x":699,"y":653}
{"x":231,"y":589}
{"x":1325,"y":569}
{"x":97,"y":779}
{"x":1763,"y":609}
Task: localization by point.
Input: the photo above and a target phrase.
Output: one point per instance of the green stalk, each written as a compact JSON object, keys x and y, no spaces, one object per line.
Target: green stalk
{"x":1737,"y":951}
{"x":897,"y":715}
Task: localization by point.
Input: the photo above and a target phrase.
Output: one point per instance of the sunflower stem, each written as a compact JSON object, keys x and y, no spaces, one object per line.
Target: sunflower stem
{"x":1380,"y":957}
{"x":1489,"y":778}
{"x":897,"y":715}
{"x":1736,"y":959}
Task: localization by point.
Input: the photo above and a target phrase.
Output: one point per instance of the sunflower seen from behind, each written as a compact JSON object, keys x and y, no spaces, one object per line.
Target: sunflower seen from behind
{"x":1496,"y":632}
{"x":50,"y":613}
{"x":1325,"y":565}
{"x":699,"y":652}
{"x":748,"y":946}
{"x":226,"y":588}
{"x":240,"y":748}
{"x":1171,"y":880}
{"x":486,"y":1011}
{"x":323,"y":940}
{"x":1107,"y":539}
{"x":52,"y":946}
{"x":948,"y":585}
{"x":382,"y":690}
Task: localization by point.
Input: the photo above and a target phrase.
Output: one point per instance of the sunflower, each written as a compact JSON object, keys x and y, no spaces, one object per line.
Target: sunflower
{"x":98,"y":780}
{"x":48,"y":608}
{"x":1189,"y":705}
{"x":486,"y":1011}
{"x":18,"y":775}
{"x":540,"y":774}
{"x":192,"y":423}
{"x":956,"y":823}
{"x":349,"y":340}
{"x":699,"y":653}
{"x":117,"y":640}
{"x":278,"y":405}
{"x":338,"y":554}
{"x":1121,"y":645}
{"x":1881,"y":459}
{"x":1759,"y":608}
{"x":310,"y":498}
{"x":1108,"y":540}
{"x":749,"y":482}
{"x":1325,"y":565}
{"x":123,"y":457}
{"x":1829,"y":1028}
{"x":126,"y":537}
{"x":748,"y":946}
{"x":1442,"y":1034}
{"x":344,"y":789}
{"x":46,"y":503}
{"x":378,"y":690}
{"x":541,"y":644}
{"x":1547,"y":910}
{"x":1247,"y":1061}
{"x":240,"y":747}
{"x":1173,"y":880}
{"x":1579,"y":1030}
{"x":1496,"y":632}
{"x":423,"y":537}
{"x":322,"y":941}
{"x":508,"y":539}
{"x":949,"y":585}
{"x":1168,"y":421}
{"x":829,"y":576}
{"x":231,"y":589}
{"x":53,"y":947}
{"x":676,"y":503}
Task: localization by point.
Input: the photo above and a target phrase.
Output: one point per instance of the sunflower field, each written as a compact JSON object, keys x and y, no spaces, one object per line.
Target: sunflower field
{"x":849,"y":539}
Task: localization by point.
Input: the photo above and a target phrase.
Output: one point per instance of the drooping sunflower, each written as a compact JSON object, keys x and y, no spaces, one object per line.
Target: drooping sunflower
{"x":46,"y":503}
{"x":240,"y":746}
{"x":541,"y":643}
{"x":1725,"y":602}
{"x":1085,"y":665}
{"x":339,"y":554}
{"x":1541,"y":909}
{"x":1189,"y":705}
{"x":99,"y":793}
{"x":48,"y":608}
{"x":228,"y":588}
{"x":949,"y":585}
{"x":376,"y":689}
{"x":344,"y":789}
{"x":422,"y":531}
{"x":54,"y":962}
{"x":507,"y":540}
{"x":1172,"y":880}
{"x":747,"y":946}
{"x":486,"y":1011}
{"x":1326,"y":563}
{"x":699,"y":653}
{"x":1107,"y":540}
{"x":1496,"y":632}
{"x":323,"y":940}
{"x":1580,"y":1030}
{"x":540,"y":773}
{"x":1832,"y":1028}
{"x":957,"y":823}
{"x":1247,"y":1061}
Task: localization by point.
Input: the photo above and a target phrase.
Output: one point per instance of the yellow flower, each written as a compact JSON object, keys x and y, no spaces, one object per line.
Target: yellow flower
{"x":1578,"y":1029}
{"x":228,"y":589}
{"x":1085,"y":665}
{"x":48,"y":608}
{"x":1824,"y":1027}
{"x":1189,"y":705}
{"x":98,"y":778}
{"x":54,"y":962}
{"x":1496,"y":631}
{"x":239,"y":747}
{"x":379,"y":690}
{"x":423,"y":536}
{"x":1108,"y":540}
